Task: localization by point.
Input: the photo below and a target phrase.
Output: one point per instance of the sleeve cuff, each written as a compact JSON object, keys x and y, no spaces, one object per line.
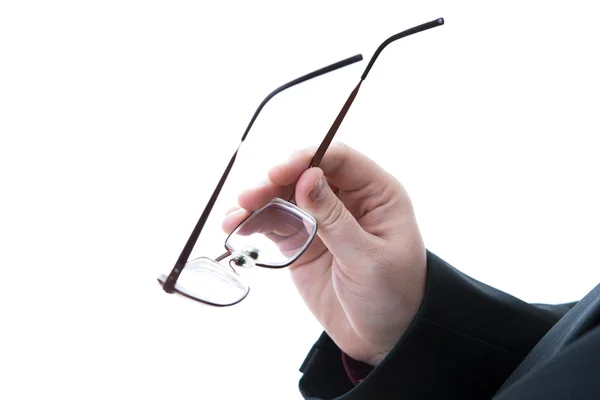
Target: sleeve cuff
{"x":465,"y":340}
{"x":356,"y":370}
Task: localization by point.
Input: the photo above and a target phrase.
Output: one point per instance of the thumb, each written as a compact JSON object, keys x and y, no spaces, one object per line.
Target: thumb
{"x":336,"y":226}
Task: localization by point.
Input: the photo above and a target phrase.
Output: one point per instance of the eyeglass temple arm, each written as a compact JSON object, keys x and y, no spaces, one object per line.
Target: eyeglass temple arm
{"x":342,"y":114}
{"x":420,"y":28}
{"x":314,"y":74}
{"x":191,"y":242}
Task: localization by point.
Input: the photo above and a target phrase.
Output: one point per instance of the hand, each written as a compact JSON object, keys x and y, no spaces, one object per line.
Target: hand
{"x":363,"y":278}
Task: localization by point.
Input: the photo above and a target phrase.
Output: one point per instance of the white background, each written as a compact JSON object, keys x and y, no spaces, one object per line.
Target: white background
{"x":118,"y":117}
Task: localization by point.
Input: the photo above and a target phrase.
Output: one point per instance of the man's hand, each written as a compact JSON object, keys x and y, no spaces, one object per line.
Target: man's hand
{"x":363,"y":278}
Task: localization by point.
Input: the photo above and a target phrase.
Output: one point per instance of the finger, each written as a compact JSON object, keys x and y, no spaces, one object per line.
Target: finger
{"x":257,"y":197}
{"x":290,"y":245}
{"x":232,"y":220}
{"x":288,"y":173}
{"x":337,"y":228}
{"x":344,"y":167}
{"x":334,"y":188}
{"x":349,"y":170}
{"x":280,"y":183}
{"x":232,"y":209}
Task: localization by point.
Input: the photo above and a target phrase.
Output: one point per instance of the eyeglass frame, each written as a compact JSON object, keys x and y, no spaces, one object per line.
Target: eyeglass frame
{"x":286,"y":203}
{"x":169,"y":284}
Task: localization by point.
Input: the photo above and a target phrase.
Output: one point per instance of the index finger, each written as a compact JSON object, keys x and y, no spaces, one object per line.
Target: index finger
{"x":343,"y":166}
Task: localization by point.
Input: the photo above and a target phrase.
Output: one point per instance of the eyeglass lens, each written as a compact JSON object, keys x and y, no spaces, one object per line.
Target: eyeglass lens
{"x":278,"y":233}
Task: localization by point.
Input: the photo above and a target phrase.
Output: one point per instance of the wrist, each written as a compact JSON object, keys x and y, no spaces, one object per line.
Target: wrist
{"x":376,"y":360}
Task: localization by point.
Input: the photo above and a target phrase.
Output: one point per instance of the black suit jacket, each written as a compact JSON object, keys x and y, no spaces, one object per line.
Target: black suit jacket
{"x":471,"y":341}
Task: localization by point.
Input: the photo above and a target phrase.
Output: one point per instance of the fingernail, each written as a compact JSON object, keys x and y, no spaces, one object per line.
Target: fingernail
{"x":233,"y":210}
{"x":318,"y":190}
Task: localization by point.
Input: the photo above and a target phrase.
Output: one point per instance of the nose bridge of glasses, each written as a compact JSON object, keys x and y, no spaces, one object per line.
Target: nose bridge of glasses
{"x":245,"y":258}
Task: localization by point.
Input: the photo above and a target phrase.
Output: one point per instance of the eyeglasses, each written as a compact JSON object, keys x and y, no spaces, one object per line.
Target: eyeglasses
{"x":274,"y":236}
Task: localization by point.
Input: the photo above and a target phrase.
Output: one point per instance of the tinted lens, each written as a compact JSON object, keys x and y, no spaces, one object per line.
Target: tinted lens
{"x":208,"y":281}
{"x":280,"y":232}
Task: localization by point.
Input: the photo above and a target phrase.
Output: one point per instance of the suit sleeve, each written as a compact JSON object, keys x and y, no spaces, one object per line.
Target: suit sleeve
{"x":464,"y":342}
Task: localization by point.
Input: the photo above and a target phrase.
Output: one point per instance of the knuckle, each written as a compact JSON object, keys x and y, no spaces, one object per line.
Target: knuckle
{"x":304,"y":153}
{"x":336,"y":215}
{"x":340,"y":146}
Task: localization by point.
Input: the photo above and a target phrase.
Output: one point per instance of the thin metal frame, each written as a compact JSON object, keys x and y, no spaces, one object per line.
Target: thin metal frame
{"x":290,"y":261}
{"x":169,"y":284}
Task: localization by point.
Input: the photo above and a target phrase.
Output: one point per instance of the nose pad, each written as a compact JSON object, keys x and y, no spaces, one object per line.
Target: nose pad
{"x":246,"y":258}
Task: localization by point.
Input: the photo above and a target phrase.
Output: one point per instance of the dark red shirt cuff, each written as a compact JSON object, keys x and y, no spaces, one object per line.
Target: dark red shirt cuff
{"x":356,"y":370}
